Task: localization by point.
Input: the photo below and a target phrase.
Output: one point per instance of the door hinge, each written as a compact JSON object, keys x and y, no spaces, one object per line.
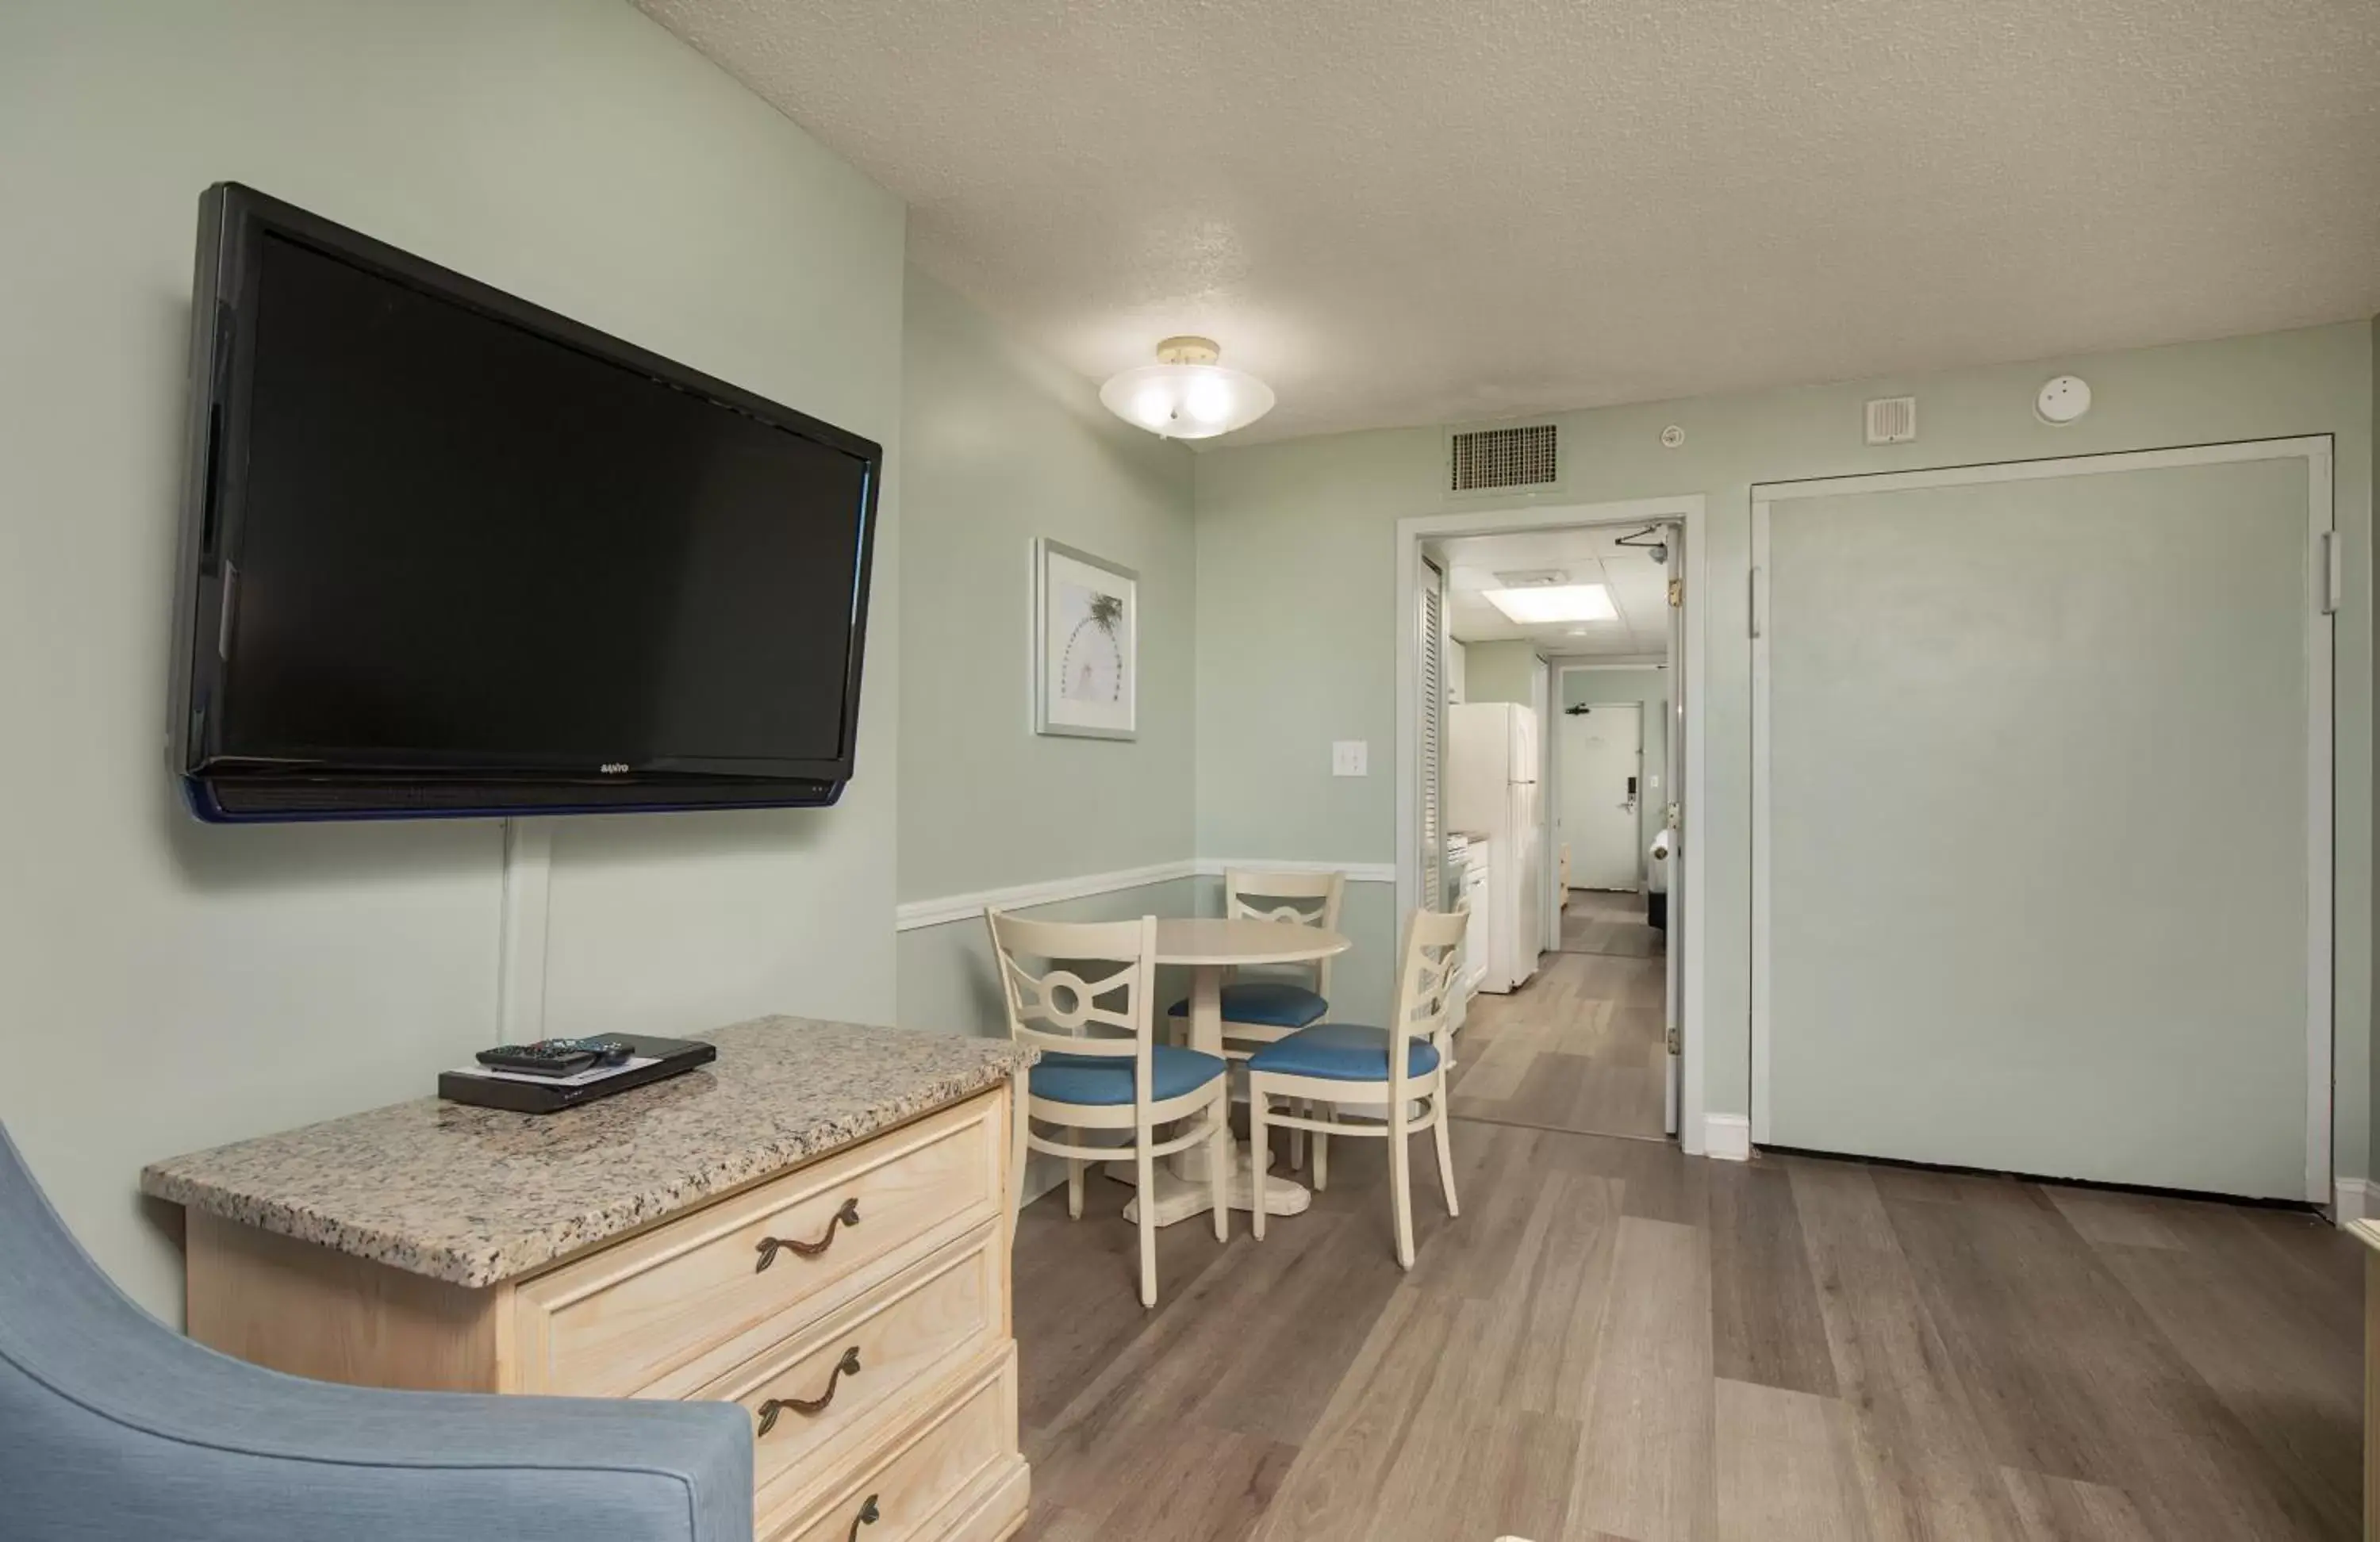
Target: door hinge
{"x":1677,"y":592}
{"x":1758,"y":603}
{"x":1676,"y":1041}
{"x":2334,"y":572}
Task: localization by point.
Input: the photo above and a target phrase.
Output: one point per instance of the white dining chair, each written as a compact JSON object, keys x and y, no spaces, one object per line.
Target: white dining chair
{"x":1403,"y":1067}
{"x":1262,"y":1009}
{"x":1101,"y":1067}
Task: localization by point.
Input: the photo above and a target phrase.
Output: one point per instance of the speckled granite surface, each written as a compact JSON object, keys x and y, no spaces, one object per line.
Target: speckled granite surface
{"x":475,"y":1196}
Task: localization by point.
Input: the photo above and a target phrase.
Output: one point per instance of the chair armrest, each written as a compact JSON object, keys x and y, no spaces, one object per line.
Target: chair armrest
{"x":270,"y":1456}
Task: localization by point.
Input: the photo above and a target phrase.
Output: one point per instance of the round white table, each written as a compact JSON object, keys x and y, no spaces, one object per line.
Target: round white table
{"x":1210,"y":946}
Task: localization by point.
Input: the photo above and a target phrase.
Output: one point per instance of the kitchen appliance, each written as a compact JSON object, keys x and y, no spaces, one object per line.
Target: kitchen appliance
{"x":1493,"y":793}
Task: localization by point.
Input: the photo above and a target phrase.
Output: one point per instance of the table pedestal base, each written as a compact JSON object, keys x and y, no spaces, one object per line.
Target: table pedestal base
{"x":1182,"y":1191}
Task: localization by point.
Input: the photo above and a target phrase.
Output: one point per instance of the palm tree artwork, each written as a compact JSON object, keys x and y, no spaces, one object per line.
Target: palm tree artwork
{"x":1091,"y":667}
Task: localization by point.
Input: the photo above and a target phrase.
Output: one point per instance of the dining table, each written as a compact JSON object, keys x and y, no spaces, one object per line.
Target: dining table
{"x":1212,"y":947}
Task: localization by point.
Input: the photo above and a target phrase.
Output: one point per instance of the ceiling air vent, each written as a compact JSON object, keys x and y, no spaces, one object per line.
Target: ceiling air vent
{"x":1892,"y":420}
{"x":1503,"y":457}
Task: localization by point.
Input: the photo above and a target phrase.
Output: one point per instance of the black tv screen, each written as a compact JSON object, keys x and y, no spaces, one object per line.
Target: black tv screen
{"x":450,"y":553}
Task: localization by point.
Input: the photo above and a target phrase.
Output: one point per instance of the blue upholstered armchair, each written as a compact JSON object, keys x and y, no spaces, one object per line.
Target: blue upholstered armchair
{"x":114,"y":1427}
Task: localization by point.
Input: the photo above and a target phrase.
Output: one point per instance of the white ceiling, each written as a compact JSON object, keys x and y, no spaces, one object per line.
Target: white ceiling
{"x":1431,"y":211}
{"x":1639,"y":588}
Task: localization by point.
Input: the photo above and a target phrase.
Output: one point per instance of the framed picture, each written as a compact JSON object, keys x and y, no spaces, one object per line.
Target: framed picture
{"x":1086,"y":644}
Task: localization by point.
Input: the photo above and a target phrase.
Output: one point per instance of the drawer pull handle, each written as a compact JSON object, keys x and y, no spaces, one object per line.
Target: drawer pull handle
{"x":847,"y":1216}
{"x":869,"y":1515}
{"x":848,"y":1366}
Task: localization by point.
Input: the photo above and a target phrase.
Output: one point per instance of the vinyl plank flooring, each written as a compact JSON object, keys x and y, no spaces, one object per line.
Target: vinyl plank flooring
{"x":2063,"y":1509}
{"x":1579,"y":1048}
{"x":1616,"y":1342}
{"x":2293,"y":1381}
{"x":1784,"y":1470}
{"x":1925,"y":1467}
{"x":1766,"y":1326}
{"x":1205,"y":1486}
{"x":2117,"y":1219}
{"x":1646,"y":1470}
{"x":2073,"y":1380}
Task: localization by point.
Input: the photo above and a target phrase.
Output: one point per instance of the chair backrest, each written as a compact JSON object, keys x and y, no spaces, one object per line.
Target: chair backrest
{"x":1426,"y":967}
{"x":1308,"y":899}
{"x":1052,"y":1006}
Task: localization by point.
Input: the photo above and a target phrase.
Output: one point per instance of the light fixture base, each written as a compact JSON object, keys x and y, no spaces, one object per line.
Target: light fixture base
{"x":1188,"y":350}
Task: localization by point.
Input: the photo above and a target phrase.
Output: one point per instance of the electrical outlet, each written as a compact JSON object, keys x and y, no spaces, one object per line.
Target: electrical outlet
{"x":1351,"y":758}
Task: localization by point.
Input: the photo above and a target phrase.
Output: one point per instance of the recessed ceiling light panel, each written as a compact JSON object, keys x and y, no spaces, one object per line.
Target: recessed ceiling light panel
{"x":1539,"y":607}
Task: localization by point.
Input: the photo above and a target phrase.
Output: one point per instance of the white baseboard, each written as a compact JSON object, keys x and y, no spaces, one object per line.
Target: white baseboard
{"x":1726,"y":1137}
{"x":2351,"y":1200}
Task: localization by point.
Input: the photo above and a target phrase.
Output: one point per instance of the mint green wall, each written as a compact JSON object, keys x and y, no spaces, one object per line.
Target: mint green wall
{"x":1496,"y":672}
{"x":1649,"y":688}
{"x":259,"y":977}
{"x":999,"y":446}
{"x":1272,"y":518}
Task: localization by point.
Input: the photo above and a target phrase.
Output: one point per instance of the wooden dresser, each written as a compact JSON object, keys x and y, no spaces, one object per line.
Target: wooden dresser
{"x":814,"y":1227}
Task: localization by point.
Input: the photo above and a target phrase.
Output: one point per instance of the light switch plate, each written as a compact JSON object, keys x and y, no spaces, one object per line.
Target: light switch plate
{"x":1351,"y":758}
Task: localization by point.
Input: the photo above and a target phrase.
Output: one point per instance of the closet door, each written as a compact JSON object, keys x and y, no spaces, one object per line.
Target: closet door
{"x":2042,"y":768}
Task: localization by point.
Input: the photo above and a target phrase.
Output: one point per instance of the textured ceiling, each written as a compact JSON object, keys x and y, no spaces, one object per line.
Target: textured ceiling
{"x":1638,"y":586}
{"x":1424,"y":211}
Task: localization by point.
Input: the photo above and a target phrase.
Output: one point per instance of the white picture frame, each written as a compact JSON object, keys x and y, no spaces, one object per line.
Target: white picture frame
{"x":1085,"y":645}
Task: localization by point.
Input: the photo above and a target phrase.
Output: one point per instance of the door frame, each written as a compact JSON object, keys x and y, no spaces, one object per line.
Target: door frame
{"x":1687,"y":511}
{"x":1562,"y":788}
{"x":2323,"y":601}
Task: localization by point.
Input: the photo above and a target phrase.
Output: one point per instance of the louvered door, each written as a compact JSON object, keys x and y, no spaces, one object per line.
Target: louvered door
{"x":1432,"y":633}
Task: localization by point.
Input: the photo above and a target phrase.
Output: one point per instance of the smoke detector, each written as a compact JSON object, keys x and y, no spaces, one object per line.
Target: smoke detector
{"x":2062,"y":400}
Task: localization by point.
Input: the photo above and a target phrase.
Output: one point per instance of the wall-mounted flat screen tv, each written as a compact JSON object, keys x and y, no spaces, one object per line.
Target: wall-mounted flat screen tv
{"x":445,"y":553}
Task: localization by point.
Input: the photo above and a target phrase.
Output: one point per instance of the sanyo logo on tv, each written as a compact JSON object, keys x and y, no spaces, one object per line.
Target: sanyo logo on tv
{"x":615,"y":768}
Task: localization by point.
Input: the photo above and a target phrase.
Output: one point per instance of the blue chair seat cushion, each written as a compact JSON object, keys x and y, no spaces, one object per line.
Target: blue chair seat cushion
{"x":1343,"y":1053}
{"x":1106,"y":1081}
{"x":1268,"y":1003}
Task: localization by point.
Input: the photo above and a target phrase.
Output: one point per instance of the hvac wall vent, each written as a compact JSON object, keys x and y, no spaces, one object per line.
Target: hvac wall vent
{"x":1503,"y":457}
{"x":1892,"y":420}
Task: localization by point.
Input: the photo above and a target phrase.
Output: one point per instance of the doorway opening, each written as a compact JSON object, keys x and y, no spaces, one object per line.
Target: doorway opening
{"x":1544,"y":791}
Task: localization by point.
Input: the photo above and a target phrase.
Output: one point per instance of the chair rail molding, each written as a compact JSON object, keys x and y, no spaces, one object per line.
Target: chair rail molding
{"x":916,"y":915}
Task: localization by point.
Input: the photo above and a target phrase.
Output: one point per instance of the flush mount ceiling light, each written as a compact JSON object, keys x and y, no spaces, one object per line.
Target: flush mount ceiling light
{"x":1543,"y":606}
{"x":1185,"y":395}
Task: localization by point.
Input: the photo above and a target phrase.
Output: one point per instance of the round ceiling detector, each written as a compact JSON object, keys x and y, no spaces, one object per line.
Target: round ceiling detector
{"x":2063,"y":400}
{"x":1187,"y":393}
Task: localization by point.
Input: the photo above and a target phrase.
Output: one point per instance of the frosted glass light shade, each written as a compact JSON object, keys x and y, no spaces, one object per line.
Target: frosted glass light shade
{"x":1187,"y":394}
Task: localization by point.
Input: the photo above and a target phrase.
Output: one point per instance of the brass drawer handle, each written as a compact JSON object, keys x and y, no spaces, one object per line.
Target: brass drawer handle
{"x":848,"y":1366}
{"x":869,"y":1515}
{"x":847,"y":1216}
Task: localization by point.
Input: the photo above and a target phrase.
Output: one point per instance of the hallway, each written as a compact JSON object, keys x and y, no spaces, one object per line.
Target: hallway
{"x":1579,"y":1048}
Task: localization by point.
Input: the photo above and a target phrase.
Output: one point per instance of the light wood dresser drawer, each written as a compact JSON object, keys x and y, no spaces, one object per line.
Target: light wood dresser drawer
{"x":818,"y":1397}
{"x":673,"y":1308}
{"x":953,"y":1477}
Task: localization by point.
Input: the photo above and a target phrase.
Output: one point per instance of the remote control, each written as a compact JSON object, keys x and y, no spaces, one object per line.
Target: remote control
{"x":556,"y":1057}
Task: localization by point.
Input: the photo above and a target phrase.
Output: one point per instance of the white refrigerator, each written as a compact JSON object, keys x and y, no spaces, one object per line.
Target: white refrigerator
{"x":1492,"y":795}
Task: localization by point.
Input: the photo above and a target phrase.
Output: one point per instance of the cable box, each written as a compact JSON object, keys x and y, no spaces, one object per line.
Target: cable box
{"x":654,"y":1060}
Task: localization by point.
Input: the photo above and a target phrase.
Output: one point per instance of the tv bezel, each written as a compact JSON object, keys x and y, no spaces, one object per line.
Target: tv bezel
{"x":233,"y":221}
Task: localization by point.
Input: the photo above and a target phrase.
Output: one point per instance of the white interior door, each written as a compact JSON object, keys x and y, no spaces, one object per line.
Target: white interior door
{"x":2041,"y":819}
{"x":1603,"y":775}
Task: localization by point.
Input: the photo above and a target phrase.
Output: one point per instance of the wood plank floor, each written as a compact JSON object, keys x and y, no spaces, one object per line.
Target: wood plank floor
{"x":1616,"y":1340}
{"x":1600,"y":921}
{"x":1580,"y":1047}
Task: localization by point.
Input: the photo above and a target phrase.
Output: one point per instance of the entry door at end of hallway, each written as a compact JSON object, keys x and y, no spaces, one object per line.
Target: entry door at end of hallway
{"x":1602,"y":771}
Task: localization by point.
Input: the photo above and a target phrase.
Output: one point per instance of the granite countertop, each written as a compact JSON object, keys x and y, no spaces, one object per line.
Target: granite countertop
{"x":477,"y":1196}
